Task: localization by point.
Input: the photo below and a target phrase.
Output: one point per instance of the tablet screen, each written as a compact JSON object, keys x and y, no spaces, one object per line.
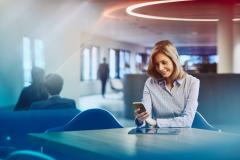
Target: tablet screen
{"x":166,"y":131}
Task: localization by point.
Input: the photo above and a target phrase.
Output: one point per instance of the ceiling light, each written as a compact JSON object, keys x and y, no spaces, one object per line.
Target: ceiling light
{"x":130,"y":11}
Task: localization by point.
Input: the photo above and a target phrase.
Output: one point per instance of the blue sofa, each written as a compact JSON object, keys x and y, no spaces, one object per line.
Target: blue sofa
{"x":15,"y":125}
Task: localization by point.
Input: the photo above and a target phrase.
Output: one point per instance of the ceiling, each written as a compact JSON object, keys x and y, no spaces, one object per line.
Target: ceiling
{"x":148,"y":31}
{"x":108,"y":18}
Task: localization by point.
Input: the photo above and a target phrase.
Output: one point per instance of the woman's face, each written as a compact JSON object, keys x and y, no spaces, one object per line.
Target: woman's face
{"x":163,"y":65}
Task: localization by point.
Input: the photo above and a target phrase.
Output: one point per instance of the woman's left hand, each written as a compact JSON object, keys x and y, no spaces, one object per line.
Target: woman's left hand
{"x":151,"y":121}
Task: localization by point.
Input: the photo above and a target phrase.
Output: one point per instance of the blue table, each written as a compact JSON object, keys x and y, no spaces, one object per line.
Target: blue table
{"x":118,"y":144}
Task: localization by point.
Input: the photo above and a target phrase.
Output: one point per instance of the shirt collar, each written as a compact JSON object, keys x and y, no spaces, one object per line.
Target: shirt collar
{"x":178,"y":81}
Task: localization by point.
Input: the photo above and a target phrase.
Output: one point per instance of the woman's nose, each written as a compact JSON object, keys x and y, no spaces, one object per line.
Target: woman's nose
{"x":160,"y":67}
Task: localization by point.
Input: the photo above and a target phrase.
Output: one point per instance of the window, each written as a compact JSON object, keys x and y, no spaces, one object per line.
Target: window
{"x":94,"y":62}
{"x":86,"y":64}
{"x":90,"y":62}
{"x":213,"y":59}
{"x":119,"y":62}
{"x":142,"y":60}
{"x":27,"y":61}
{"x":32,"y":56}
{"x":138,"y":59}
{"x":39,"y":55}
{"x":124,"y":62}
{"x":127,"y":57}
{"x":184,"y":58}
{"x":112,"y":63}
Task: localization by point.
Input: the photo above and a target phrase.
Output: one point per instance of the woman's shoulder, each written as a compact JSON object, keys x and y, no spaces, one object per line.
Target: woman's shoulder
{"x":192,"y":78}
{"x":151,"y":81}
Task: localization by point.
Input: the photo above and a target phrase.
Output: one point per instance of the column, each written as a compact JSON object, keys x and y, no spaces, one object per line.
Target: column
{"x":225,"y":39}
{"x":236,"y":49}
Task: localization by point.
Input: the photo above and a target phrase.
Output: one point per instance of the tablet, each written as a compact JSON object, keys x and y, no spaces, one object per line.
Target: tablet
{"x":164,"y":131}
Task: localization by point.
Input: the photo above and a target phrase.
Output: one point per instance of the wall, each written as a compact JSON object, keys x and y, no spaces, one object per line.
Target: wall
{"x":10,"y":72}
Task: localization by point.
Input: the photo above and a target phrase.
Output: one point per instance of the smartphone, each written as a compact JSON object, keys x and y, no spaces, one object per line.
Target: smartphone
{"x":139,"y":105}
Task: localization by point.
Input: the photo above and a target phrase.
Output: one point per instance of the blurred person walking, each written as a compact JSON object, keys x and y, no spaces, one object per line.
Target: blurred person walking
{"x":103,"y":75}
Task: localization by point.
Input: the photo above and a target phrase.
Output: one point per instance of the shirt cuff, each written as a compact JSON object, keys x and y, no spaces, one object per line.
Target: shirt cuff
{"x":164,"y":123}
{"x":139,"y":124}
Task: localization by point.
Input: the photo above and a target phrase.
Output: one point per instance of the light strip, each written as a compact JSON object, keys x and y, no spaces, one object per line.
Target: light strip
{"x":236,"y":19}
{"x":130,"y":11}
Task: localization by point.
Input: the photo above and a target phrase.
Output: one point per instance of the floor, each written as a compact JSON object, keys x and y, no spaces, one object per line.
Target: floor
{"x":114,"y":103}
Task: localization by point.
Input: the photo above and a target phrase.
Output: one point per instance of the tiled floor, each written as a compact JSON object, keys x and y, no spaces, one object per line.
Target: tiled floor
{"x":114,"y":103}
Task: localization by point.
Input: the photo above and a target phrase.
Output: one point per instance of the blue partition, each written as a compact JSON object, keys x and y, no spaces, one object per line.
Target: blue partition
{"x":15,"y":125}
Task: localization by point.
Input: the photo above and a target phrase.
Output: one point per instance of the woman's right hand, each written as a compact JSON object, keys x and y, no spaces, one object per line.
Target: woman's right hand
{"x":141,"y":117}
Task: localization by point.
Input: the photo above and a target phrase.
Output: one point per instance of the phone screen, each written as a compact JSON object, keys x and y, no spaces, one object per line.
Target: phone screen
{"x":139,"y":105}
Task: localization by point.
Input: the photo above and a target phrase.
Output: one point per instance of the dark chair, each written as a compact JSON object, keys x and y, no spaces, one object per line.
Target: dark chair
{"x":201,"y":123}
{"x":116,"y":85}
{"x":28,"y":155}
{"x":89,"y":120}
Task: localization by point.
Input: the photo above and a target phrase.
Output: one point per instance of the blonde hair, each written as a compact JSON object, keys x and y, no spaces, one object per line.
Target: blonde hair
{"x":167,"y":48}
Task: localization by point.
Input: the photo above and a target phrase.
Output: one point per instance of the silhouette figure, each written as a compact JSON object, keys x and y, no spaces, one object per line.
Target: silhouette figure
{"x":54,"y":84}
{"x":103,"y":74}
{"x":35,"y":92}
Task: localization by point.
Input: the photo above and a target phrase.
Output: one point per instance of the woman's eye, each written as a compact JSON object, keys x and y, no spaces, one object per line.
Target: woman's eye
{"x":164,"y":62}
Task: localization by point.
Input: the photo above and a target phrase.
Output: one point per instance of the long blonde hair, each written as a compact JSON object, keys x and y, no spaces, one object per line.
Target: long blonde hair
{"x":167,"y":48}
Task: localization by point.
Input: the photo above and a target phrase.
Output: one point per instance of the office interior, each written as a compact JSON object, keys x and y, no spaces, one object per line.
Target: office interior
{"x":71,"y":37}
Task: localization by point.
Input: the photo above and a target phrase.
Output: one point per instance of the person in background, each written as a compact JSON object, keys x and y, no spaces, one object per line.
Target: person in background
{"x":54,"y":85}
{"x":35,"y":92}
{"x":103,"y":75}
{"x":170,"y":95}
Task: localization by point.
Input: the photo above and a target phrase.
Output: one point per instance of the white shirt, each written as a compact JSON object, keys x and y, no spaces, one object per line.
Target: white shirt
{"x":175,"y":107}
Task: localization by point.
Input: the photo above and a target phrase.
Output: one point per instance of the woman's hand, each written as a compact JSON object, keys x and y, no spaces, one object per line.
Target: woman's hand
{"x":152,"y":122}
{"x":141,"y":117}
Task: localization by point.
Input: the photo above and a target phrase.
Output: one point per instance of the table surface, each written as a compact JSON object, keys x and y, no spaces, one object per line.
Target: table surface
{"x":118,"y":144}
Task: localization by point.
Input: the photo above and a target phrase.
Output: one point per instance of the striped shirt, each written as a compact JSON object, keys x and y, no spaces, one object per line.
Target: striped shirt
{"x":175,"y":107}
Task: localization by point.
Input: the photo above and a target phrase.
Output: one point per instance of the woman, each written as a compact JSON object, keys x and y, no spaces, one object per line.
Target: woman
{"x":170,"y":95}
